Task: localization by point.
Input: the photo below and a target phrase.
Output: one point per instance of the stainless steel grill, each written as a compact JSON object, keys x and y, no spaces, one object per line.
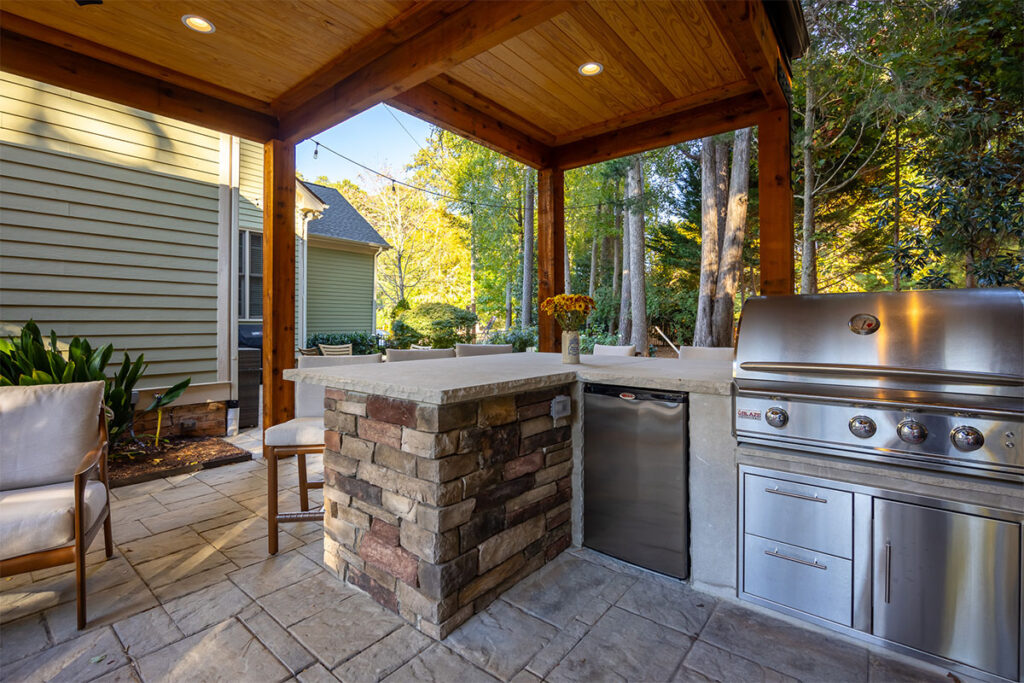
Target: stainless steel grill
{"x":929,"y":379}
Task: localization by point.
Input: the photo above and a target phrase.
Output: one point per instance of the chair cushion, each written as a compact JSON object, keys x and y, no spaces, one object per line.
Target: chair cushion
{"x":397,"y":355}
{"x":608,"y":350}
{"x":463,"y":350}
{"x":302,"y":431}
{"x":706,"y":353}
{"x":43,"y":517}
{"x":309,"y":398}
{"x":45,"y":431}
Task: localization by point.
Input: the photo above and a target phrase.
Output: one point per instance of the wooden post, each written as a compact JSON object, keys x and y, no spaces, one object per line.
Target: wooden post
{"x":278,"y":280}
{"x":550,"y":248}
{"x":776,"y":203}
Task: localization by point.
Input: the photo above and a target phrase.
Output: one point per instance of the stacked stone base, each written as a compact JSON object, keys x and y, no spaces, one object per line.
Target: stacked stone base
{"x":435,"y":510}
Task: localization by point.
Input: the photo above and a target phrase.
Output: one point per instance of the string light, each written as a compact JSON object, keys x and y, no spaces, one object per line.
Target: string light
{"x":440,"y":195}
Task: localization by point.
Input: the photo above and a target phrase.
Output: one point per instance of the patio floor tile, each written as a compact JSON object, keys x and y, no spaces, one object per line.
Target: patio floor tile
{"x":147,"y":632}
{"x":501,"y":640}
{"x":213,"y":604}
{"x":560,"y":590}
{"x":274,"y":573}
{"x":669,"y":603}
{"x":721,"y":665}
{"x":337,"y":633}
{"x":383,"y":657}
{"x":126,"y":674}
{"x":181,"y":564}
{"x":190,"y":515}
{"x":316,"y":674}
{"x":255,"y":550}
{"x":225,"y":652}
{"x":103,"y":607}
{"x":155,"y":546}
{"x":304,"y":598}
{"x":84,"y":658}
{"x":275,"y":638}
{"x":564,"y":641}
{"x":187,"y":491}
{"x":22,"y":638}
{"x":784,"y":647}
{"x":438,"y":664}
{"x":624,"y":646}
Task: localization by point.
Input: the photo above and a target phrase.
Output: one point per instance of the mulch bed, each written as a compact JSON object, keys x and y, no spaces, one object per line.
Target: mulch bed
{"x":134,"y":463}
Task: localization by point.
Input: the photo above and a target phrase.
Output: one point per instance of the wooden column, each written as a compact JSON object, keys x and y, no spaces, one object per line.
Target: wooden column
{"x":776,"y":202}
{"x":278,"y":280}
{"x":550,"y":246}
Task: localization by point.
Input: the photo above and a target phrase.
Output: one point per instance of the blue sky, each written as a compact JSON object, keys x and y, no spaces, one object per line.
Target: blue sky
{"x":372,"y":138}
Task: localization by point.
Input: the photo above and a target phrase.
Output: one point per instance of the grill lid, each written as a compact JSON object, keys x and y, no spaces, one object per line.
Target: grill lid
{"x":965,"y":341}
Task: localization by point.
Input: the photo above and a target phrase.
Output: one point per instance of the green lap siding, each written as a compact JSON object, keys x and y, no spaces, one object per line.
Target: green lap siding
{"x":108,"y":227}
{"x":339,"y":291}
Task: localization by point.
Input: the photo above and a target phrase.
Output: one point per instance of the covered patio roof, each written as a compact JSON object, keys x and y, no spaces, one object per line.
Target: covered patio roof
{"x":501,"y":72}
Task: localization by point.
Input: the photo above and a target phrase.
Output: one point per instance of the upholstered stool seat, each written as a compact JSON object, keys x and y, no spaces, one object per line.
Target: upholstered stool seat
{"x":301,"y":431}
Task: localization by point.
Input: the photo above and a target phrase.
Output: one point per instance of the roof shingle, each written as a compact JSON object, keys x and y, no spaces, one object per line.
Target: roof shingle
{"x":340,"y":219}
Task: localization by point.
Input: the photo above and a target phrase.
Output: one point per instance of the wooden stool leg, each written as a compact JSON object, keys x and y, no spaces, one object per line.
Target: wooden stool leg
{"x":303,"y":482}
{"x":270,"y":455}
{"x":80,"y":581}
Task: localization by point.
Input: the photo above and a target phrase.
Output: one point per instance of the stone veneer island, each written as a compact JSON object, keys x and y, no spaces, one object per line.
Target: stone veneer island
{"x":447,"y":481}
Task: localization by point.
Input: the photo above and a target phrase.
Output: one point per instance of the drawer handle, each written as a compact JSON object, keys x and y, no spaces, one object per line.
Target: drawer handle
{"x":779,"y":492}
{"x":814,"y":563}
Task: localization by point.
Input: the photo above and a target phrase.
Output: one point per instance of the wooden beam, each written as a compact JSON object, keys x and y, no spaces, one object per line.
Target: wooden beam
{"x":747,"y":31}
{"x":475,"y":28}
{"x":441,"y":109}
{"x":278,"y":280}
{"x":775,"y":202}
{"x":65,"y":68}
{"x":474,"y":99}
{"x":711,"y":119}
{"x":550,"y":247}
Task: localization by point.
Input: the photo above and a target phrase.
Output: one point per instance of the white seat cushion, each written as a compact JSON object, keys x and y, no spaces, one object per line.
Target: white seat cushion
{"x":43,"y":517}
{"x":302,"y":431}
{"x":609,"y":350}
{"x":398,"y":355}
{"x":464,"y":350}
{"x":309,"y":398}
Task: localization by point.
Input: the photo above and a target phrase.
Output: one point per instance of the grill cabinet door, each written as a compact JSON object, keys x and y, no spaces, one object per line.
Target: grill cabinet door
{"x":948,"y":583}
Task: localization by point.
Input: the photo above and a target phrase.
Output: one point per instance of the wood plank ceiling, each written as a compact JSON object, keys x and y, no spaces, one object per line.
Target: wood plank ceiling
{"x":502,"y":73}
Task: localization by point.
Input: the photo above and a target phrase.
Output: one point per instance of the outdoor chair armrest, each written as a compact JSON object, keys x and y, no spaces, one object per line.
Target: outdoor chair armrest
{"x":91,"y":461}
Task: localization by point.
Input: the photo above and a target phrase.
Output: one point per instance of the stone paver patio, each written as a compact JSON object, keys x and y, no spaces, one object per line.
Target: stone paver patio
{"x":191,"y":595}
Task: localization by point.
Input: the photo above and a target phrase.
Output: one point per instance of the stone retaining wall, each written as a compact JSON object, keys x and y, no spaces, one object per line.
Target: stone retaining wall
{"x":436,"y":510}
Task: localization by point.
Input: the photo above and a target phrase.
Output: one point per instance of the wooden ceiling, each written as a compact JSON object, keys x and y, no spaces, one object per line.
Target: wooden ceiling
{"x":503,"y":73}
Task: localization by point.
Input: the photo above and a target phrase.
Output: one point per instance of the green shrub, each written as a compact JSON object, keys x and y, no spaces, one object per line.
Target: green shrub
{"x":26,"y":360}
{"x":363,"y":343}
{"x":590,"y":337}
{"x":519,"y":339}
{"x":438,"y":325}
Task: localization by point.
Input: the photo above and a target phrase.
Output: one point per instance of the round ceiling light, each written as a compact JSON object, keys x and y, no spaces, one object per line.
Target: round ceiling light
{"x":198,"y":24}
{"x":591,"y":68}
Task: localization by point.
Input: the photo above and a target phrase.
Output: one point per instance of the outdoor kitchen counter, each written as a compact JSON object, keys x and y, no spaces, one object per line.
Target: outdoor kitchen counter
{"x":453,"y":380}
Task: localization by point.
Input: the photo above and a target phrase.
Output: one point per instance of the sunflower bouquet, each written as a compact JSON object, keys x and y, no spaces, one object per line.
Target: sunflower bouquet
{"x":570,"y":310}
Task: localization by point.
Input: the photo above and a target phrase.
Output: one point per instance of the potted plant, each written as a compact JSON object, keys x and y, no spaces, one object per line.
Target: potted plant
{"x":571,"y":312}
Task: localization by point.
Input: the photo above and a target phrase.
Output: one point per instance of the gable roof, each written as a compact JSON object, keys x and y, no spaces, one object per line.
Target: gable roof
{"x":340,"y":219}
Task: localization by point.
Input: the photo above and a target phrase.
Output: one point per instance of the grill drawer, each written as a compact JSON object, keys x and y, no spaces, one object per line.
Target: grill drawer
{"x":812,"y":517}
{"x":815,"y":583}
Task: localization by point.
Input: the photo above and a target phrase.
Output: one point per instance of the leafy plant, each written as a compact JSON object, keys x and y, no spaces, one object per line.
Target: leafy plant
{"x":363,"y":343}
{"x":439,"y":325}
{"x":590,"y":338}
{"x":165,"y":399}
{"x":26,"y":360}
{"x":519,"y":339}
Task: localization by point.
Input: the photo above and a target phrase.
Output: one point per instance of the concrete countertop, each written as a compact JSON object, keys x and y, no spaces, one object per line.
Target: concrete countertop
{"x":451,"y":380}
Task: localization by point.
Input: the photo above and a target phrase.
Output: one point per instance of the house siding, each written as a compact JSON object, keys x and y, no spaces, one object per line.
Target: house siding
{"x":108,"y":227}
{"x":339,"y":291}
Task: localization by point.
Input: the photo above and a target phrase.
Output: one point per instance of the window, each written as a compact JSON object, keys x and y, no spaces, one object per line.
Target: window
{"x":250,"y":275}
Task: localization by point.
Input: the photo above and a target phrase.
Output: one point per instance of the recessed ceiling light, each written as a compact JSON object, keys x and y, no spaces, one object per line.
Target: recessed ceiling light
{"x":197,"y":23}
{"x":591,"y":68}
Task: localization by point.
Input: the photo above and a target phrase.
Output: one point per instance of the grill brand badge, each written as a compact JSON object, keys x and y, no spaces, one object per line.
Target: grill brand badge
{"x":744,"y":414}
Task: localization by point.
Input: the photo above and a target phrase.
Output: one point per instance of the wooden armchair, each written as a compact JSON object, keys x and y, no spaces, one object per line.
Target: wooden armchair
{"x":54,"y":496}
{"x":335,"y":349}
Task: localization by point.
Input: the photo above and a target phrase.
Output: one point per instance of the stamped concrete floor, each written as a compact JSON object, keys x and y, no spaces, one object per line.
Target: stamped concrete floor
{"x":191,"y":595}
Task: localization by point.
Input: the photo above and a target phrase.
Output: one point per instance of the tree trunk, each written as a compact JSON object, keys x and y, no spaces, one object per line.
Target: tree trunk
{"x":731,"y":262}
{"x":508,"y":305}
{"x":593,"y":259}
{"x":808,"y":247}
{"x":616,"y":254}
{"x":708,"y":245}
{"x":721,"y":188}
{"x":526,"y":317}
{"x":625,"y":300}
{"x":896,"y":218}
{"x":637,"y":254}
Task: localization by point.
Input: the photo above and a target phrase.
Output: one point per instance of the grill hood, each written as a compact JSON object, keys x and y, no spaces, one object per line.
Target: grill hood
{"x":966,"y":342}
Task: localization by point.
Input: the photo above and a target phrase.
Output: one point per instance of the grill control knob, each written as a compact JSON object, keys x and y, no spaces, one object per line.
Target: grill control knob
{"x":912,"y":431}
{"x":776,"y":417}
{"x":966,"y":438}
{"x":863,"y":427}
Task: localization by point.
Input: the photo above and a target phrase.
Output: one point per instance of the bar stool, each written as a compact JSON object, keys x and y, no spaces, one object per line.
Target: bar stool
{"x":301,"y":436}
